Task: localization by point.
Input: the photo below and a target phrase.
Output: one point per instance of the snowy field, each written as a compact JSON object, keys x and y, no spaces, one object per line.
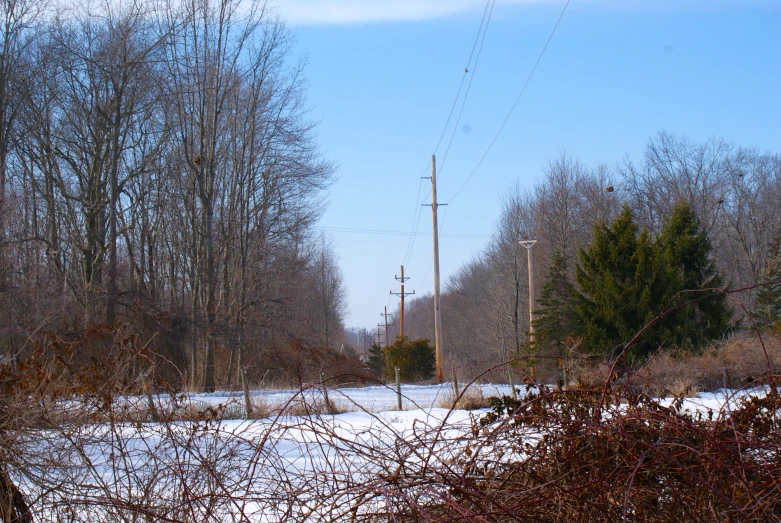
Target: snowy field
{"x":279,"y":468}
{"x":377,"y":398}
{"x":420,"y":399}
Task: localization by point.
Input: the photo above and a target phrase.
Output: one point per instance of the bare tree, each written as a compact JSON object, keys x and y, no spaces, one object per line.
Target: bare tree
{"x":164,"y":173}
{"x":750,"y":218}
{"x":18,"y":31}
{"x":330,"y":294}
{"x":677,"y":170}
{"x":238,"y":117}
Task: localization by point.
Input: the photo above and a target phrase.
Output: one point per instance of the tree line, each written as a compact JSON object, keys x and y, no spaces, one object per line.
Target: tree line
{"x":690,"y":215}
{"x":158,"y":169}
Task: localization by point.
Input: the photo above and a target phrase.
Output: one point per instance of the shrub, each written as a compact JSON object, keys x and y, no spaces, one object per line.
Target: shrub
{"x":739,"y":361}
{"x":414,"y":358}
{"x":589,"y":460}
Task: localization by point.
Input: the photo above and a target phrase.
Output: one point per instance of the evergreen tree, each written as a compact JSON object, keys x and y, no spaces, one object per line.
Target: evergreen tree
{"x":618,"y":288}
{"x":625,"y":281}
{"x":683,"y":251}
{"x":553,"y":323}
{"x":376,"y":358}
{"x":414,"y":358}
{"x":767,"y":313}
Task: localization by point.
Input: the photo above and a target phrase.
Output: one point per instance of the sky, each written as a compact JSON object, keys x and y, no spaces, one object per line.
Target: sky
{"x":383,"y":77}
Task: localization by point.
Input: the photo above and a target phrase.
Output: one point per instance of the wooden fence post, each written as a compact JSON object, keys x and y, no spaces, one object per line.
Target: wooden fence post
{"x":398,"y":388}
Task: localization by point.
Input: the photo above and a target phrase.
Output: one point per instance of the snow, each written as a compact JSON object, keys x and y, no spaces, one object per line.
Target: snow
{"x":376,"y":398}
{"x":283,"y":467}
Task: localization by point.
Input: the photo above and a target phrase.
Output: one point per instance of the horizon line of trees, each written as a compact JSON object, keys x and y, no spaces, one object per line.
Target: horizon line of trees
{"x":731,"y":194}
{"x":158,"y":169}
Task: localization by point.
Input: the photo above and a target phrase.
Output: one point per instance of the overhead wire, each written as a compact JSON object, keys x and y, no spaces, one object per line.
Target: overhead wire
{"x":441,"y":166}
{"x":418,"y":210}
{"x":384,"y":232}
{"x":415,"y":222}
{"x":512,"y":109}
{"x":482,"y":29}
{"x":417,"y":214}
{"x":501,"y":128}
{"x":466,"y":71}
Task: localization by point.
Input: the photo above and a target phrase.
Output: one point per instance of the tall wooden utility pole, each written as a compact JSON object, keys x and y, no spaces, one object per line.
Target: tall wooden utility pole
{"x":529,"y":244}
{"x":401,"y":294}
{"x":385,"y":315}
{"x":437,"y":310}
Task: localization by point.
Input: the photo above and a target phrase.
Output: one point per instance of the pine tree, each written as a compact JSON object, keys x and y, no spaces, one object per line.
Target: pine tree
{"x":553,"y":323}
{"x":683,"y":251}
{"x":767,"y":312}
{"x":617,"y":288}
{"x":625,"y":281}
{"x":376,"y":358}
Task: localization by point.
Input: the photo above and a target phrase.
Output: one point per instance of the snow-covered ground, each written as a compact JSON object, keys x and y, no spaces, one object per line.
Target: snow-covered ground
{"x":282,"y":467}
{"x":377,"y":398}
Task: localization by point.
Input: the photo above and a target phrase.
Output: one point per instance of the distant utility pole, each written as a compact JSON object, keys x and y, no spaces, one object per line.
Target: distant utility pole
{"x":529,"y":244}
{"x":437,"y":310}
{"x":385,"y":315}
{"x":401,"y":294}
{"x":379,"y":338}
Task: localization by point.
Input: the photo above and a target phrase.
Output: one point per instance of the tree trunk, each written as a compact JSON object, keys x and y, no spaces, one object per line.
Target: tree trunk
{"x":13,"y":503}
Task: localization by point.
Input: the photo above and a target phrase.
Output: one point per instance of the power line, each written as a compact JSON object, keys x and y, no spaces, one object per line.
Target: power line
{"x":413,"y":234}
{"x":380,"y":232}
{"x":480,"y":30}
{"x":416,"y":226}
{"x":507,"y":118}
{"x":466,"y":71}
{"x":390,"y":296}
{"x":415,"y":221}
{"x":468,"y":88}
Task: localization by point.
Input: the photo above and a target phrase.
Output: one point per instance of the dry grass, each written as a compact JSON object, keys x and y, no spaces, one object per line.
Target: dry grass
{"x":187,"y":410}
{"x":470,"y":399}
{"x":605,"y":453}
{"x":733,"y":363}
{"x":301,"y":407}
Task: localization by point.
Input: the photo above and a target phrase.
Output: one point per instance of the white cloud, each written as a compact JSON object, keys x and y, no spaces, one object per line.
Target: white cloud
{"x":335,"y":12}
{"x":327,"y":12}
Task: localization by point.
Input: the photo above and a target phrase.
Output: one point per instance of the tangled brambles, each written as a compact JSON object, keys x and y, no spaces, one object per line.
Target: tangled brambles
{"x":614,"y":455}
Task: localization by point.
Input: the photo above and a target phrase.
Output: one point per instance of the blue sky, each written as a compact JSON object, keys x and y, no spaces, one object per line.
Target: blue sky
{"x":383,"y":76}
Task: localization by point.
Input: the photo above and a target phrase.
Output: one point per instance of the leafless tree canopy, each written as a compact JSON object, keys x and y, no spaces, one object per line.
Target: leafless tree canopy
{"x":734,"y":190}
{"x":158,"y":168}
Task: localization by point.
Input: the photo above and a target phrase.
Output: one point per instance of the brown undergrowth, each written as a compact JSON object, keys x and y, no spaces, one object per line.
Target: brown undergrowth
{"x":733,"y":363}
{"x":607,"y":451}
{"x":469,"y":399}
{"x":611,"y":454}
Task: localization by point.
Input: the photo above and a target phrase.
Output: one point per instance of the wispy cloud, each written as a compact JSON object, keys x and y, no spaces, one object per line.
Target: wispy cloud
{"x":327,"y":12}
{"x":335,"y":12}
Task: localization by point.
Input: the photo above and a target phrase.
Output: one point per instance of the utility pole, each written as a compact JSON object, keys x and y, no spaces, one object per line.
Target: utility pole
{"x":401,"y":294}
{"x":379,"y":338}
{"x":385,"y":315}
{"x":367,"y":340}
{"x":437,"y":310}
{"x":529,"y":244}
